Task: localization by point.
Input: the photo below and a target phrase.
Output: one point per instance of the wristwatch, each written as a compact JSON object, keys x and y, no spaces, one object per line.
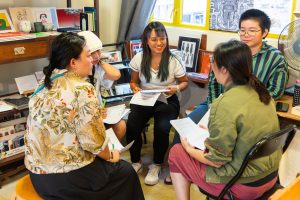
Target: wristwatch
{"x":177,"y":88}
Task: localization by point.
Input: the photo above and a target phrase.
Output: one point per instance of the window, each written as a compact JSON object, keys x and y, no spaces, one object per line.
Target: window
{"x":183,"y":13}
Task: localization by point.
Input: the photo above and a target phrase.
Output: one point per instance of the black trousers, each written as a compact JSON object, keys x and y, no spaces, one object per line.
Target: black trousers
{"x":137,"y":120}
{"x":100,"y":180}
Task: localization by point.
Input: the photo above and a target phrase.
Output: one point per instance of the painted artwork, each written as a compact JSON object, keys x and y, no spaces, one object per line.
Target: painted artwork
{"x":279,"y":11}
{"x":5,"y":22}
{"x":46,"y":15}
{"x":19,"y":14}
{"x":225,"y":14}
{"x":69,"y":17}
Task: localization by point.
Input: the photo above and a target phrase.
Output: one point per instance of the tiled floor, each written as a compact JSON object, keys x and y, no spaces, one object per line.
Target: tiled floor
{"x":157,"y":192}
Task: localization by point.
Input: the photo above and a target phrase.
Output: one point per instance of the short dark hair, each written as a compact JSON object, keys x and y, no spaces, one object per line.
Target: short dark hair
{"x":236,"y":57}
{"x":43,"y":14}
{"x":261,"y":17}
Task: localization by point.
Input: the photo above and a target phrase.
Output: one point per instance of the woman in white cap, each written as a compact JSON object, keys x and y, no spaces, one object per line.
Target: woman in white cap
{"x":105,"y":74}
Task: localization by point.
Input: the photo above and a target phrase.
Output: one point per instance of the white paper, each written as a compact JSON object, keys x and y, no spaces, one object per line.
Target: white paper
{"x":39,"y":75}
{"x":26,"y":83}
{"x":204,"y":120}
{"x":154,"y":91}
{"x":114,"y":143}
{"x":5,"y":107}
{"x":191,"y":131}
{"x":289,"y":165}
{"x":115,"y":114}
{"x":144,"y":99}
{"x":162,"y":98}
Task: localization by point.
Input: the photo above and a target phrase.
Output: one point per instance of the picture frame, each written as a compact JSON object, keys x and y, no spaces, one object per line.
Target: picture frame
{"x":19,"y":14}
{"x":69,"y":17}
{"x":46,"y":15}
{"x":111,"y":56}
{"x":189,"y":52}
{"x":6,"y":24}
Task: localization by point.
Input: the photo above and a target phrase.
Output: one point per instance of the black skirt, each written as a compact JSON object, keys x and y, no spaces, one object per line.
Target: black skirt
{"x":98,"y":180}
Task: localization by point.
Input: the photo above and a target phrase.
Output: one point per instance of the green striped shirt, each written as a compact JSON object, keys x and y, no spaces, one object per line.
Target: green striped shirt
{"x":268,"y":66}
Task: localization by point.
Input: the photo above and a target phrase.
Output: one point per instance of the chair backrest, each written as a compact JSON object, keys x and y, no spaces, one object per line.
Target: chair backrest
{"x":266,"y":146}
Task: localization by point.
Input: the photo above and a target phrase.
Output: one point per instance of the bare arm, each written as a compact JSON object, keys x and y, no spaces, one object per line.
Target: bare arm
{"x":111,"y":73}
{"x":183,"y":83}
{"x":135,"y":82}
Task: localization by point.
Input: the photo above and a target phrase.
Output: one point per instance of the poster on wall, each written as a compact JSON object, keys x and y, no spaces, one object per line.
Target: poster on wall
{"x":279,"y":11}
{"x":225,"y":14}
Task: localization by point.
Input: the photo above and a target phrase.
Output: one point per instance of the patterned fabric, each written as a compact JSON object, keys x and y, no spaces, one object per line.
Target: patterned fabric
{"x":268,"y":66}
{"x":65,"y":129}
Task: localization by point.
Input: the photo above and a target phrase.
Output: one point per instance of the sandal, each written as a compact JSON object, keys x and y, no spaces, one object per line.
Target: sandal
{"x":168,"y":180}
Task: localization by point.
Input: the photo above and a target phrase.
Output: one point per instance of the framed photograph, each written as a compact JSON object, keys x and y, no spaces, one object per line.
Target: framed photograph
{"x":5,"y":22}
{"x":19,"y":14}
{"x":111,"y":57}
{"x":189,"y":52}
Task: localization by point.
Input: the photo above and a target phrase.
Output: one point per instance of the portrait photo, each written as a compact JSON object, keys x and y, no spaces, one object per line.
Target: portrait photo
{"x":111,"y":56}
{"x":188,"y":48}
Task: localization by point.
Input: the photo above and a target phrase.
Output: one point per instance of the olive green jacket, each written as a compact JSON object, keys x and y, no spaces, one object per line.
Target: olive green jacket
{"x":238,"y":120}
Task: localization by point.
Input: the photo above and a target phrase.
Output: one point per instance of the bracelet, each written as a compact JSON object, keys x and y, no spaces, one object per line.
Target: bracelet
{"x":177,"y":88}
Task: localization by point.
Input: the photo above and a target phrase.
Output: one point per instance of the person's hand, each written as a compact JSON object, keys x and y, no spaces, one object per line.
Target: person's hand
{"x":103,"y":113}
{"x":136,"y":90}
{"x":172,"y":88}
{"x":115,"y":156}
{"x":186,"y":145}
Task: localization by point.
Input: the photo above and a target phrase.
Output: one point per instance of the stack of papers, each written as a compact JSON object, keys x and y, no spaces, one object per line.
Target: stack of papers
{"x":149,"y":97}
{"x":191,"y":131}
{"x":115,"y":114}
{"x":5,"y":107}
{"x":114,"y":143}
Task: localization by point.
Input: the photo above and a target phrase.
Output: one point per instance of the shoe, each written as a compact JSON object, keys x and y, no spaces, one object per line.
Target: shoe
{"x":138,"y":167}
{"x":168,"y":180}
{"x":152,"y":177}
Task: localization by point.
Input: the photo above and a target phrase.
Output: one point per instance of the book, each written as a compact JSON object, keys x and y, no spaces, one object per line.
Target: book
{"x":200,"y":76}
{"x":135,"y":47}
{"x":91,"y":13}
{"x":26,"y":84}
{"x":13,"y":36}
{"x":18,"y":103}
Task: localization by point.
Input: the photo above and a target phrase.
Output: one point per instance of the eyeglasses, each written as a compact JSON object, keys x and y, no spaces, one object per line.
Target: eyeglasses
{"x":156,"y":39}
{"x":251,"y":32}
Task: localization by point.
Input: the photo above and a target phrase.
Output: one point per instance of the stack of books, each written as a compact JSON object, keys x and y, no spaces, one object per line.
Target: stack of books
{"x":12,"y":36}
{"x":18,"y":103}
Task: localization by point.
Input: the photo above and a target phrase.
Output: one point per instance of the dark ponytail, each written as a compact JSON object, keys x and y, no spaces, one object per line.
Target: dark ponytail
{"x":64,"y":47}
{"x":260,"y":88}
{"x":236,"y":57}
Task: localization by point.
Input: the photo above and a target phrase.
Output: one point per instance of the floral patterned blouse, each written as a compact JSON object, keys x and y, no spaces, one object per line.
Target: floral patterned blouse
{"x":64,"y":127}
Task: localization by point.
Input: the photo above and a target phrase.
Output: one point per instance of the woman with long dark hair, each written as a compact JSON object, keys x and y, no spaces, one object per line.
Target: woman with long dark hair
{"x":154,"y":68}
{"x":66,"y":148}
{"x":239,"y":118}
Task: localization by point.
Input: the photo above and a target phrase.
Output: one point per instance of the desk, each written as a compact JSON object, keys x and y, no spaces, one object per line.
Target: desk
{"x":286,"y":118}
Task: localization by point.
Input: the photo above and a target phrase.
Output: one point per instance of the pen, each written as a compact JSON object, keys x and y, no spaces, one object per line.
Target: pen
{"x":103,"y":103}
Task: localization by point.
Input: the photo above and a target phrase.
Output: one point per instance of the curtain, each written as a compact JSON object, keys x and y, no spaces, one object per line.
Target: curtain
{"x":134,"y":18}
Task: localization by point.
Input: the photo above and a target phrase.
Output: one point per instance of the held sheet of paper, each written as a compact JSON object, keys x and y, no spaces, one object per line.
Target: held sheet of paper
{"x":195,"y":135}
{"x":115,"y":114}
{"x":113,"y":140}
{"x":145,"y":100}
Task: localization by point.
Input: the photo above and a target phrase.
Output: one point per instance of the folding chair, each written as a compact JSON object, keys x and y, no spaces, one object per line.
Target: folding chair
{"x":265,"y":147}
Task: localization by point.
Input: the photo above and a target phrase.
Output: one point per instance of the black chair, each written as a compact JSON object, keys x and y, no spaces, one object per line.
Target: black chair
{"x":265,"y":147}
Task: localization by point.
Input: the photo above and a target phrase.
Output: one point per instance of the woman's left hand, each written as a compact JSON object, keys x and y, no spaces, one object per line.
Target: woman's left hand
{"x":186,"y":145}
{"x":103,"y":113}
{"x":172,"y":88}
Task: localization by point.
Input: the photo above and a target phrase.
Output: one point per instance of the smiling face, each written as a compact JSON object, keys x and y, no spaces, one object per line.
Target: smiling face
{"x":252,"y":34}
{"x":157,"y":43}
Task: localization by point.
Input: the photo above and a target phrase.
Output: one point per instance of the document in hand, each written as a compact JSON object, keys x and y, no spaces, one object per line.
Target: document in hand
{"x":204,"y":119}
{"x":154,"y":91}
{"x":114,"y":143}
{"x":115,"y":114}
{"x":191,"y":131}
{"x":148,"y":99}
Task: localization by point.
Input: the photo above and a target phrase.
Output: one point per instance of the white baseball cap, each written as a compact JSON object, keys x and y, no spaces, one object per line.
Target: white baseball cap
{"x":92,"y":41}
